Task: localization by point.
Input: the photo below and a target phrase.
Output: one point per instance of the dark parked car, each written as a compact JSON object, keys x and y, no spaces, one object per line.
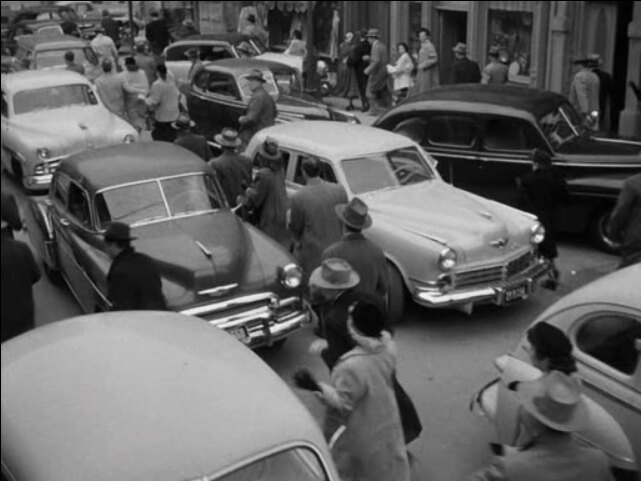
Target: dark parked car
{"x":482,"y":137}
{"x":212,"y":264}
{"x":219,"y":93}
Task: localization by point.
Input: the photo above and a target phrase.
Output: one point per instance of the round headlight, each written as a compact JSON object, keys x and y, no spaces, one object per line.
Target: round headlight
{"x":129,"y":139}
{"x":447,"y":259}
{"x":43,"y":153}
{"x":537,"y":233}
{"x":291,"y":276}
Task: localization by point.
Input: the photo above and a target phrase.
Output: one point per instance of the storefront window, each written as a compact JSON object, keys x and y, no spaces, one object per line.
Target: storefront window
{"x":511,"y":32}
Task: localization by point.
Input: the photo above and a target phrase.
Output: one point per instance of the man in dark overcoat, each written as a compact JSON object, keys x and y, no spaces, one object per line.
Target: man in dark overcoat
{"x":133,"y":280}
{"x":542,"y":192}
{"x":367,"y":259}
{"x":19,"y":273}
{"x":190,"y":140}
{"x":356,"y":61}
{"x":111,"y":27}
{"x":10,"y":215}
{"x":378,"y":93}
{"x":234,"y":170}
{"x":466,"y":71}
{"x":267,"y":195}
{"x":625,"y":221}
{"x":261,"y":110}
{"x":157,"y":33}
{"x":312,"y":220}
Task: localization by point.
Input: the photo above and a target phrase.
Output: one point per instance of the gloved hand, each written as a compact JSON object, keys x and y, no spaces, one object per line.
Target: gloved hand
{"x":304,"y":379}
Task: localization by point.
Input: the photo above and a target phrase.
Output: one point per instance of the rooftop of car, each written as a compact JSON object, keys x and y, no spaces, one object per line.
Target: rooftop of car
{"x":231,"y":37}
{"x":246,"y":64}
{"x":535,"y":101}
{"x":127,"y":163}
{"x":51,"y":42}
{"x":140,"y":395}
{"x":334,"y":140}
{"x":32,"y":79}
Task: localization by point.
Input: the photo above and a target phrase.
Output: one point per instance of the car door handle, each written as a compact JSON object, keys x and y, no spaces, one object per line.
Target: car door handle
{"x":64,"y":222}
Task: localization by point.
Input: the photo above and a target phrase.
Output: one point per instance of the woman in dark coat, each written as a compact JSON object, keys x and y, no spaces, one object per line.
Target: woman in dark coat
{"x":347,"y":85}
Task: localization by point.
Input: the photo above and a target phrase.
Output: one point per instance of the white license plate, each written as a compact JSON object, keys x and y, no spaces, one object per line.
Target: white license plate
{"x":240,"y":333}
{"x":515,"y":294}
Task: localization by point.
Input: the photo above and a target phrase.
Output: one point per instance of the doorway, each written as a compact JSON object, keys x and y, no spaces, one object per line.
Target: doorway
{"x":452,"y":29}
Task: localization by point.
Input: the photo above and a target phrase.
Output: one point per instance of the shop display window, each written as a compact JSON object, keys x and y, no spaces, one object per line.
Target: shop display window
{"x":511,"y":32}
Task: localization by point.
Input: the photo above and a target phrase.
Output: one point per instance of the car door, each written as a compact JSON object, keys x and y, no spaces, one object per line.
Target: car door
{"x":294,"y":174}
{"x":505,"y":147}
{"x":4,"y":131}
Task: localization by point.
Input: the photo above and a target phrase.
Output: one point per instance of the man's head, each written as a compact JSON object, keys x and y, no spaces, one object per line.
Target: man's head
{"x":162,"y":71}
{"x":105,"y":13}
{"x":140,"y":44}
{"x":349,"y":36}
{"x":228,"y":139}
{"x":255,"y":79}
{"x":251,"y":18}
{"x":154,"y":14}
{"x":373,"y":35}
{"x":332,"y":277}
{"x":310,"y":168}
{"x":460,"y":50}
{"x":107,"y":66}
{"x":130,"y":64}
{"x":354,"y":215}
{"x":493,"y":54}
{"x":297,"y":35}
{"x":69,"y":56}
{"x":540,"y":159}
{"x":423,"y":34}
{"x":117,"y":238}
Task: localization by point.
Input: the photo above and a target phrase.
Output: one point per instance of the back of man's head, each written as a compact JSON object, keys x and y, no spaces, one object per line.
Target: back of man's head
{"x":107,"y":65}
{"x":311,"y":167}
{"x":69,"y":56}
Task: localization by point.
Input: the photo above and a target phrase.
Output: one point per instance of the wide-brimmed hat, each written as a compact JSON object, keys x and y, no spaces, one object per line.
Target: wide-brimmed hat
{"x":354,"y":214}
{"x":183,"y":122}
{"x":269,"y":150}
{"x":228,"y":138}
{"x":118,"y":231}
{"x":256,"y":74}
{"x":460,"y":48}
{"x":373,"y":32}
{"x":334,"y":273}
{"x":555,"y":400}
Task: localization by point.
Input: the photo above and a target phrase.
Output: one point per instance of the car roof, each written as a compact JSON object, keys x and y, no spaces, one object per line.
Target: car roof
{"x":334,"y":140}
{"x":231,"y":37}
{"x":127,"y":163}
{"x":535,"y":101}
{"x":240,"y":65}
{"x":31,"y":79}
{"x":51,"y":42}
{"x":140,"y":395}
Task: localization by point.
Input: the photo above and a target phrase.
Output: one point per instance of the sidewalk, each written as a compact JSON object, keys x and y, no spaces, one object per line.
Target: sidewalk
{"x":342,"y":103}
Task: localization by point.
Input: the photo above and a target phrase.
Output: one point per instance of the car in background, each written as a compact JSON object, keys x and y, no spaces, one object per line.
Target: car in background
{"x":603,"y":322}
{"x":482,"y":137}
{"x":150,"y":395}
{"x":445,"y":247}
{"x":48,"y":115}
{"x":211,"y":263}
{"x":27,"y":27}
{"x":219,"y":93}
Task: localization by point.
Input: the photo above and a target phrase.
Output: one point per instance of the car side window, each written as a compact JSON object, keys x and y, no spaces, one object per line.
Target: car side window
{"x":222,"y":84}
{"x":60,"y":189}
{"x":451,"y":131}
{"x":611,"y":339}
{"x":79,"y":205}
{"x":201,"y":80}
{"x":503,"y":133}
{"x":326,"y":171}
{"x":210,"y":53}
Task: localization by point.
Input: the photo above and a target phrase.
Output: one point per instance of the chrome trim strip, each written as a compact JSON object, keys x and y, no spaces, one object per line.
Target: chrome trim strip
{"x":239,"y":302}
{"x":218,"y":291}
{"x":518,"y":161}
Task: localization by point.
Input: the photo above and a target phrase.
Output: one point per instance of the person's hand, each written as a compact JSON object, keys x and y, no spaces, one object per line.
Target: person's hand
{"x":304,"y":379}
{"x":366,"y":58}
{"x":242,"y":119}
{"x":318,"y":346}
{"x":141,"y":97}
{"x":240,"y":200}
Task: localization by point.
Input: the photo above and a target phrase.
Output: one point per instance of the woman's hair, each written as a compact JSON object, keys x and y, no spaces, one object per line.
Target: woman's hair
{"x":404,"y":45}
{"x":549,"y":342}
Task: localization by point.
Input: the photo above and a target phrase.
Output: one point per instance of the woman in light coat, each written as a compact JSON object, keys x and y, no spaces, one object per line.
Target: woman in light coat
{"x":401,"y":72}
{"x":371,"y":447}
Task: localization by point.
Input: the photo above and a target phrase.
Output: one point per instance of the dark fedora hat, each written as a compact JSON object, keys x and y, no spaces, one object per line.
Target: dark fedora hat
{"x":354,"y":214}
{"x":269,"y":150}
{"x":118,"y":231}
{"x":334,"y":273}
{"x":256,"y":74}
{"x":183,"y":122}
{"x":228,"y":138}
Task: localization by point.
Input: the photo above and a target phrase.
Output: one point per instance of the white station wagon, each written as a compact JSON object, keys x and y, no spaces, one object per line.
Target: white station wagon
{"x":447,"y":247}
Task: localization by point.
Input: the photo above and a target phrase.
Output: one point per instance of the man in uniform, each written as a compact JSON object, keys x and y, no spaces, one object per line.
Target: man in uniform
{"x":261,"y":111}
{"x":133,"y":279}
{"x":190,"y":140}
{"x":233,"y":170}
{"x":466,"y":71}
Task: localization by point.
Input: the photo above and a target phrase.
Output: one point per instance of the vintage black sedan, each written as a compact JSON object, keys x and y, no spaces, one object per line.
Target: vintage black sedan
{"x":219,"y":93}
{"x":212,"y":264}
{"x":482,"y":137}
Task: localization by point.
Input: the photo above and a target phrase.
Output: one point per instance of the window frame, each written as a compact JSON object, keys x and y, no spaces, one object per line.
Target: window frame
{"x":232,"y":81}
{"x":298,"y":169}
{"x":91,"y":225}
{"x":530,"y":132}
{"x":473,"y":119}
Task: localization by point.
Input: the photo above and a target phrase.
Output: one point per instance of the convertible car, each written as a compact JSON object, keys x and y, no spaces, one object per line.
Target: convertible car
{"x":219,"y":93}
{"x":212,"y":264}
{"x":482,"y":136}
{"x":150,"y":395}
{"x":446,"y":246}
{"x":50,"y":115}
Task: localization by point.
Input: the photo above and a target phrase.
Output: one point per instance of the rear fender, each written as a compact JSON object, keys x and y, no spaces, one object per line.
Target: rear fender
{"x":41,"y":232}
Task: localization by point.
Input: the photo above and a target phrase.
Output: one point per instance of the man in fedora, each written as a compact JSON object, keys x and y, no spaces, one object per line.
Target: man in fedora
{"x":495,"y":72}
{"x":378,"y":93}
{"x":552,"y":409}
{"x":357,"y":61}
{"x":312,"y":218}
{"x":466,"y":71}
{"x":234,"y":170}
{"x":261,"y":110}
{"x":367,"y":259}
{"x":584,"y":92}
{"x":188,"y":139}
{"x":133,"y":280}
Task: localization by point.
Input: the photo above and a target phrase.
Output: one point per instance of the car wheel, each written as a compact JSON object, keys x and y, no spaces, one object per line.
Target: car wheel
{"x":396,"y":295}
{"x":597,"y":231}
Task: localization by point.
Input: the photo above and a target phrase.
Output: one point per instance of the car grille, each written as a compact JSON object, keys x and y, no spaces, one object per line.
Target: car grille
{"x":493,"y":274}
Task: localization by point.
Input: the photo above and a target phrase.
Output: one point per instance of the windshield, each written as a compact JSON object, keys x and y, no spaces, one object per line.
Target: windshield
{"x":561,"y":125}
{"x":56,"y":58}
{"x":385,"y":170}
{"x":50,"y":98}
{"x":157,"y":200}
{"x":269,"y":85}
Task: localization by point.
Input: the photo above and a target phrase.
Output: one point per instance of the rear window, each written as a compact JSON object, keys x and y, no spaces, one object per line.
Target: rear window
{"x":451,"y":131}
{"x":56,"y":58}
{"x":207,"y":52}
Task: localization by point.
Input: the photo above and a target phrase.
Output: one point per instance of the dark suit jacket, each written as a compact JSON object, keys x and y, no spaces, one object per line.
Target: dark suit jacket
{"x":233,"y":175}
{"x":111,"y":29}
{"x":158,"y":34}
{"x":260,"y":113}
{"x":466,"y":71}
{"x":19,"y":273}
{"x":196,"y":143}
{"x":134,"y":283}
{"x":268,"y":196}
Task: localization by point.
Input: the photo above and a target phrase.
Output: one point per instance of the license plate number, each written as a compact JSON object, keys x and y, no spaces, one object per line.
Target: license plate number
{"x":515,"y":294}
{"x":240,"y":333}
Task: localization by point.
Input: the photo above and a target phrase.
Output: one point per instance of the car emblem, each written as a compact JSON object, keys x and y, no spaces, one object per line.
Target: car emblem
{"x":500,"y":243}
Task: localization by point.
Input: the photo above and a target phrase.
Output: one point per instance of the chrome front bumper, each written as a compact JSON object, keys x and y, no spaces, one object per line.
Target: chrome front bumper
{"x":524,"y":282}
{"x":257,"y":320}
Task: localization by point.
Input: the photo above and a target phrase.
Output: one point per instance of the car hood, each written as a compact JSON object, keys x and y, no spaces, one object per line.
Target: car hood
{"x":590,"y":149}
{"x":450,"y":217}
{"x":303,"y":107}
{"x":83,"y":127}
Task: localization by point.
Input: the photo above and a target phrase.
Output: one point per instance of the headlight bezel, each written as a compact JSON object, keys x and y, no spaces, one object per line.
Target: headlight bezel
{"x":128,"y":138}
{"x":447,"y":259}
{"x":537,"y":234}
{"x":291,"y":276}
{"x":44,"y":153}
